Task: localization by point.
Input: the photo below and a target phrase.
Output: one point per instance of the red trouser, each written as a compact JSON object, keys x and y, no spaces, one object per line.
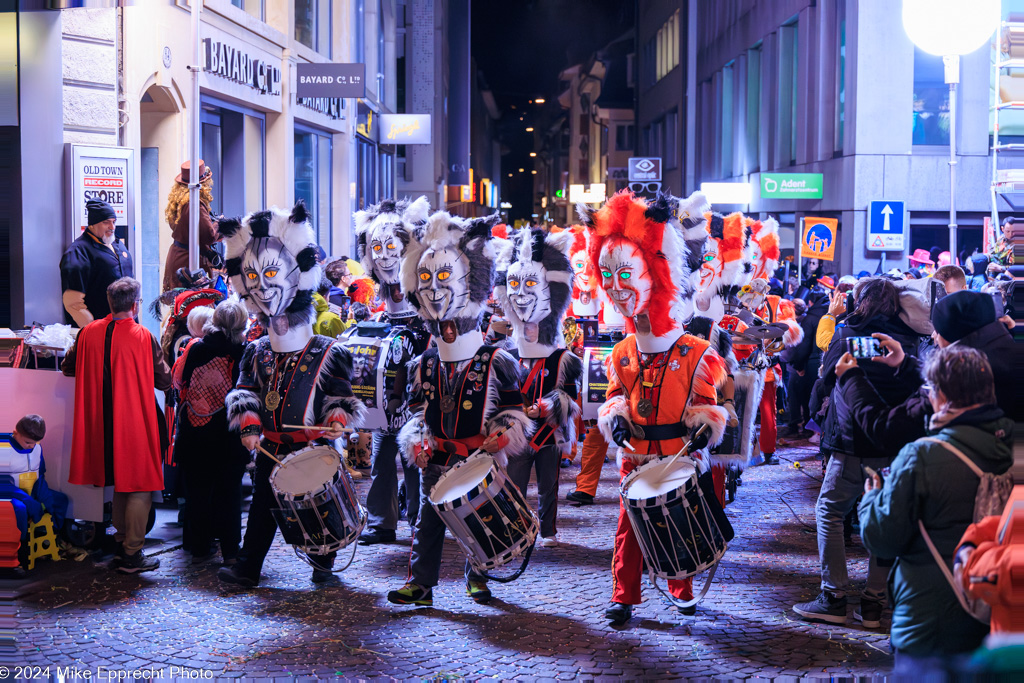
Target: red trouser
{"x":718,"y":478}
{"x":627,"y":562}
{"x":768,"y":415}
{"x":595,"y":448}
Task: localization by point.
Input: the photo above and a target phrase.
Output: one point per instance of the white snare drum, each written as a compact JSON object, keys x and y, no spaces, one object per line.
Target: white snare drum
{"x":485,"y":512}
{"x":317,"y":512}
{"x":677,"y":533}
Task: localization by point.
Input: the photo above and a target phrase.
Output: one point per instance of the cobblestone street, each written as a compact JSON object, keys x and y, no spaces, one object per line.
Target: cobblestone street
{"x":549,"y":624}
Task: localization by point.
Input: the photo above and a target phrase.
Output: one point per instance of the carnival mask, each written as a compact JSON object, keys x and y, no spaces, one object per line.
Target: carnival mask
{"x":441,"y":285}
{"x":579,"y":269}
{"x":270,"y":275}
{"x":385,"y":248}
{"x":528,"y":292}
{"x":624,"y":276}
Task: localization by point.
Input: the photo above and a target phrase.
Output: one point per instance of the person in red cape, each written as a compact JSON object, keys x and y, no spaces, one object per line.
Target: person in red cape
{"x":117,"y":363}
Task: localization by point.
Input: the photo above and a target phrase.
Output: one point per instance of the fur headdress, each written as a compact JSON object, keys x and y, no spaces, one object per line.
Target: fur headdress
{"x":549,"y":252}
{"x":404,"y":214}
{"x":691,"y":216}
{"x":731,"y":235}
{"x":765,"y":234}
{"x":646,"y":225}
{"x":473,"y":238}
{"x":296,"y":234}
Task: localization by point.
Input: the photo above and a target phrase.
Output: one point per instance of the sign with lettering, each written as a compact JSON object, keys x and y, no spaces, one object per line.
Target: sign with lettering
{"x":819,"y":238}
{"x":330,"y":80}
{"x":644,"y":168}
{"x":405,"y":129}
{"x":104,"y":173}
{"x":792,"y":186}
{"x":235,"y":64}
{"x":331,"y":107}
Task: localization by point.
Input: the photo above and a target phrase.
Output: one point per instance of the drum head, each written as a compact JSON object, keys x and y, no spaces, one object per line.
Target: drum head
{"x":460,"y":480}
{"x":653,"y":480}
{"x":306,"y":471}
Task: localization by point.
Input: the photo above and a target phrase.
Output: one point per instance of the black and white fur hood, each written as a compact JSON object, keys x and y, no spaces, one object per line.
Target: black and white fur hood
{"x":404,"y":214}
{"x":549,"y":252}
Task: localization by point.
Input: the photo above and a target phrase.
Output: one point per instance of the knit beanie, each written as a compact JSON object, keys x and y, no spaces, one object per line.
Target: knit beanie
{"x":99,"y":211}
{"x":957,"y":315}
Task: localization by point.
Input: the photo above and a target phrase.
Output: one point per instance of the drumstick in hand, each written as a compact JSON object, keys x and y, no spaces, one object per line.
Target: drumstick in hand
{"x":684,"y":449}
{"x":267,"y":453}
{"x":319,"y":428}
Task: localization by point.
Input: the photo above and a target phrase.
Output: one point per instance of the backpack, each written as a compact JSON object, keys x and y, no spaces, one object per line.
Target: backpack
{"x":993,"y":492}
{"x":916,"y":304}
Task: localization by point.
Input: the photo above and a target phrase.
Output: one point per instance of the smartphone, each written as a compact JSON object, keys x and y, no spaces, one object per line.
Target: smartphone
{"x":997,"y":299}
{"x":871,"y":473}
{"x":849,"y":303}
{"x":864,"y":347}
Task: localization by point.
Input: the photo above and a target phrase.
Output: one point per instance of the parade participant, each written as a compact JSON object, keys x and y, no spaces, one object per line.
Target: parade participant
{"x":382,"y":233}
{"x":291,"y":376}
{"x":463,"y":393}
{"x":177,"y":216}
{"x":533,"y":288}
{"x":584,"y":289}
{"x":661,"y":381}
{"x":93,"y":261}
{"x":117,"y":363}
{"x":725,"y":264}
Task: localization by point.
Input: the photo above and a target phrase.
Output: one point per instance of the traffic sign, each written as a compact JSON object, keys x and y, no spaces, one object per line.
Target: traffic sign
{"x":792,"y":186}
{"x":643,"y":169}
{"x":819,"y":238}
{"x":887,"y":226}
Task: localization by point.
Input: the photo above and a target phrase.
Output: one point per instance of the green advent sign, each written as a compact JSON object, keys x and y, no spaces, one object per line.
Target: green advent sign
{"x":792,"y":186}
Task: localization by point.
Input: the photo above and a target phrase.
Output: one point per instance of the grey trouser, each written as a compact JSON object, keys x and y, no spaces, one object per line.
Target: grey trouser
{"x":428,"y":540}
{"x":547,"y":462}
{"x":382,"y":498}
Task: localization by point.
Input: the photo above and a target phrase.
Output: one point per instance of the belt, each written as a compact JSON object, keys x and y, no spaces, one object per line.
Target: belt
{"x":676,"y":430}
{"x":286,"y":438}
{"x":450,"y":451}
{"x":180,"y":245}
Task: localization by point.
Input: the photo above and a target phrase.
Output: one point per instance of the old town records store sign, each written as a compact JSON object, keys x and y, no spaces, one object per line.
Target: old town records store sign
{"x":241,"y":71}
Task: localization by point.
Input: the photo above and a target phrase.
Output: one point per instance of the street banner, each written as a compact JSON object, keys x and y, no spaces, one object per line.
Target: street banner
{"x":819,"y":238}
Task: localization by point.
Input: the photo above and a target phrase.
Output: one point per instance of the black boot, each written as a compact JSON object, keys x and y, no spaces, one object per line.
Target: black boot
{"x":618,"y":613}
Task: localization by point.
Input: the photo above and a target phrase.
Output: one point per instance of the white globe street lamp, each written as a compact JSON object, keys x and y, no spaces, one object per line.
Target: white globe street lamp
{"x":950,"y":28}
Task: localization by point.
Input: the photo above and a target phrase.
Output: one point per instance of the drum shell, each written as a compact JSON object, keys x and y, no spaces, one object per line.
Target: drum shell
{"x":323,"y":521}
{"x":676,"y":531}
{"x":492,"y":522}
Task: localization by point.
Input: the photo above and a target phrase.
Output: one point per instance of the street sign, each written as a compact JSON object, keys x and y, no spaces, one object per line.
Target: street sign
{"x":819,"y":238}
{"x":792,"y":186}
{"x":642,"y":169}
{"x":330,"y":80}
{"x":887,"y":226}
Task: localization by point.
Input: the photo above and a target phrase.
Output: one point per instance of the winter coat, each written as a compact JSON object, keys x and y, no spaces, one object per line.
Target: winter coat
{"x":177,"y":253}
{"x":327,"y":323}
{"x":840,"y":433}
{"x":927,"y":482}
{"x":806,"y":355}
{"x":979,"y":264}
{"x":1001,"y":350}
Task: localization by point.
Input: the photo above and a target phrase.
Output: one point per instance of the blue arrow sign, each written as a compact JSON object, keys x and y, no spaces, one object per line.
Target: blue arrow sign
{"x":887,"y":226}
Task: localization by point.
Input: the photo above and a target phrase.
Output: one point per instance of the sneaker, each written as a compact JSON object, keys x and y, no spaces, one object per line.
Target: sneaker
{"x":869,"y":612}
{"x":770,"y":459}
{"x":235,"y":576}
{"x":321,"y":576}
{"x":375,"y":535}
{"x":566,"y":462}
{"x":137,"y":563}
{"x":580,"y":497}
{"x":688,"y":611}
{"x":814,"y":438}
{"x":411,"y":594}
{"x":549,"y":541}
{"x":824,"y":609}
{"x":479,"y":591}
{"x":618,"y":613}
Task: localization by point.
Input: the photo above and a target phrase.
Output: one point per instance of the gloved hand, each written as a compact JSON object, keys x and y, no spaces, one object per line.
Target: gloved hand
{"x":699,"y":439}
{"x":621,"y":431}
{"x":734,"y":419}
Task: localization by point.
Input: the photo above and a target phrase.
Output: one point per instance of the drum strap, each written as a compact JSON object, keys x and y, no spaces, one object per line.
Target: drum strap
{"x":449,"y":452}
{"x":286,"y":438}
{"x":541,"y":436}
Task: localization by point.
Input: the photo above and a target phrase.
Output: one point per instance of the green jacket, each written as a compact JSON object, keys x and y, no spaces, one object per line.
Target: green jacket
{"x":327,"y":323}
{"x":928,"y":482}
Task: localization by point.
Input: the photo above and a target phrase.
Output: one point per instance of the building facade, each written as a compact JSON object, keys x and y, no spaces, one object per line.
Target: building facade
{"x":836,"y":87}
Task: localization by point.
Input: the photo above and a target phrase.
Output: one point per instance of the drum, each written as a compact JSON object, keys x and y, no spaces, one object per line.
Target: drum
{"x":676,"y":530}
{"x":485,"y":512}
{"x":378,"y":372}
{"x":318,"y":511}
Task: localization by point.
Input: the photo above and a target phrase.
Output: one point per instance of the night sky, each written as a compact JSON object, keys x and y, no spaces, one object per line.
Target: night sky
{"x":521,"y":46}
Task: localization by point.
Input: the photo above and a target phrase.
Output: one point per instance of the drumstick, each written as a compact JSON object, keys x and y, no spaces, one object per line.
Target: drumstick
{"x":267,"y":453}
{"x":684,"y":449}
{"x":492,"y":436}
{"x":321,"y":428}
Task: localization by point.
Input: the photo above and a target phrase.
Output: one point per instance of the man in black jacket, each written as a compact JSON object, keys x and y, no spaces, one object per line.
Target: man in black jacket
{"x":964,"y":318}
{"x":803,"y":361}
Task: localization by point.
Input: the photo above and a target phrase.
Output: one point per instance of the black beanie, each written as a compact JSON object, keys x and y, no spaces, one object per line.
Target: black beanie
{"x":99,"y":211}
{"x":957,"y":315}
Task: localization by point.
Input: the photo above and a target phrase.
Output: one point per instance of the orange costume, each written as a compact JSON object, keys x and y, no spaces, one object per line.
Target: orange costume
{"x":661,"y":381}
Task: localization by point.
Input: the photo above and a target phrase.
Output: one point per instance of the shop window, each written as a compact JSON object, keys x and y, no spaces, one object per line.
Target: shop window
{"x":671,"y":149}
{"x":313,"y":24}
{"x":624,"y":137}
{"x":313,"y":180}
{"x":251,"y":7}
{"x":931,"y":100}
{"x":752,"y":132}
{"x":840,"y":75}
{"x":233,"y":148}
{"x":725,"y":124}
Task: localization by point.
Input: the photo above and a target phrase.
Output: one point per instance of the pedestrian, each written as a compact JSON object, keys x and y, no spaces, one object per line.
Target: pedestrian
{"x":211,"y":458}
{"x":978,"y":268}
{"x":803,"y":361}
{"x":328,"y":323}
{"x":93,"y":261}
{"x":952,"y":278}
{"x":117,"y":364}
{"x":929,"y":484}
{"x":876,"y":310}
{"x":1002,"y":251}
{"x":177,"y":215}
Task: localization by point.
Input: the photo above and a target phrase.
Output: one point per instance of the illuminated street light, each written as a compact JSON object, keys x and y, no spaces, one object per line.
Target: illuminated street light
{"x":539,"y":100}
{"x":533,"y":154}
{"x":727,"y":193}
{"x":950,"y":28}
{"x":521,"y":170}
{"x":533,"y":172}
{"x":530,"y":129}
